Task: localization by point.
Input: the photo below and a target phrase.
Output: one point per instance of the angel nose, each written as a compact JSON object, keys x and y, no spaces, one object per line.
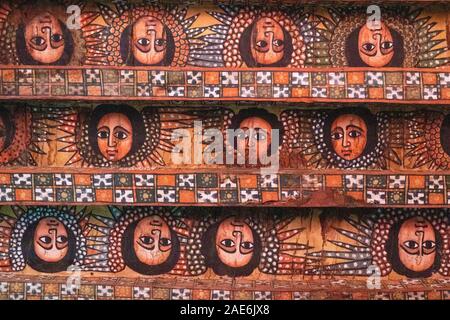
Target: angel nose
{"x":111,"y":141}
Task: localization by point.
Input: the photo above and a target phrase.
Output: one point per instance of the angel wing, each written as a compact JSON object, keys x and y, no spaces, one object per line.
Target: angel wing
{"x":280,"y":254}
{"x":423,"y":140}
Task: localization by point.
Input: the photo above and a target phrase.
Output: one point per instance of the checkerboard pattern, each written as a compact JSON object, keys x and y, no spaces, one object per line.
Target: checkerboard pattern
{"x":123,"y":83}
{"x":44,"y":287}
{"x":215,"y":188}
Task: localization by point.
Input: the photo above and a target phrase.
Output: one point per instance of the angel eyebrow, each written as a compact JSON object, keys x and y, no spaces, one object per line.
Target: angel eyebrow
{"x":156,"y":223}
{"x":120,"y":127}
{"x":350,"y":126}
{"x":103,"y":127}
{"x":237,"y":224}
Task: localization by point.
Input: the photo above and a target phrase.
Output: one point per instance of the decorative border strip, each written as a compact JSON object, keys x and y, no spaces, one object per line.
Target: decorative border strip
{"x":56,"y":288}
{"x":219,"y":189}
{"x":344,"y":84}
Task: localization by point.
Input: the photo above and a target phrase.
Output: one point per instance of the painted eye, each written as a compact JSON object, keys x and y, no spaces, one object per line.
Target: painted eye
{"x":160,"y":42}
{"x":429,"y":244}
{"x":165,"y":242}
{"x":411,"y":244}
{"x":121,"y":135}
{"x":227,"y":243}
{"x":242,"y":135}
{"x":45,"y":239}
{"x":260,"y":136}
{"x":146,"y":239}
{"x":354,"y":134}
{"x":38,"y":41}
{"x":247,"y":245}
{"x":387,"y":45}
{"x":278,"y":43}
{"x":143,"y":41}
{"x":57,"y":37}
{"x":103,"y":134}
{"x":368,"y":46}
{"x":337,"y":136}
{"x":61,"y":239}
{"x":261,"y":44}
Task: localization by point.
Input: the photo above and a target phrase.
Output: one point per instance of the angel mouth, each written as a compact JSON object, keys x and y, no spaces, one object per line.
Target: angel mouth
{"x":346,"y":153}
{"x":111,"y":154}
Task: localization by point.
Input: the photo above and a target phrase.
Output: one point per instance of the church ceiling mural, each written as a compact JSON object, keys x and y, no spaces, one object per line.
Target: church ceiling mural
{"x":224,"y":150}
{"x":268,"y":252}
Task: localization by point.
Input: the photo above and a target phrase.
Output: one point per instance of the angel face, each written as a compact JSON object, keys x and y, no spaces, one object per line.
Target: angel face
{"x":267,"y":41}
{"x":152,"y":241}
{"x":234,"y":242}
{"x":114,"y":136}
{"x":44,"y":38}
{"x":417,"y":244}
{"x":51,"y":242}
{"x":261,"y":131}
{"x":149,"y":39}
{"x":349,"y":136}
{"x":376,"y":46}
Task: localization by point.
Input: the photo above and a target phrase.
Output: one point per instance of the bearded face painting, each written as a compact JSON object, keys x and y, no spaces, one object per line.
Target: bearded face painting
{"x":354,"y":40}
{"x":254,"y":130}
{"x":48,"y":239}
{"x":409,"y":242}
{"x":39,"y":35}
{"x":344,"y":138}
{"x":148,"y":35}
{"x":254,"y":37}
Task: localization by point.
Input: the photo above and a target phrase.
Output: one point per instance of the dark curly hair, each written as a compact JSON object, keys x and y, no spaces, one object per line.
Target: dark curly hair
{"x":445,"y":134}
{"x":8,"y":122}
